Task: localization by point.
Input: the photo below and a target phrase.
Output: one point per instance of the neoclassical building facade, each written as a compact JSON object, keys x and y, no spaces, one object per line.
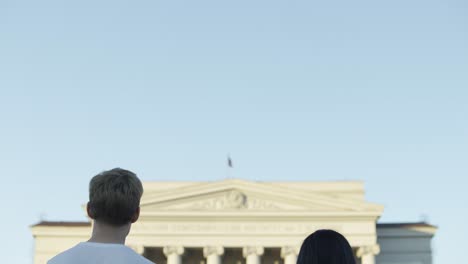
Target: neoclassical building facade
{"x":244,"y":222}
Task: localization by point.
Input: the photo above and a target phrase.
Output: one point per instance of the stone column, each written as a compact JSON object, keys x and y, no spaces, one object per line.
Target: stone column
{"x":367,"y":253}
{"x":289,"y":254}
{"x":213,"y":254}
{"x":140,"y":249}
{"x":173,"y":254}
{"x":253,"y":254}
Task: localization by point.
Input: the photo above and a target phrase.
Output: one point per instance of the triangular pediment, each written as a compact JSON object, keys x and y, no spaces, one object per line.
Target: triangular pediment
{"x":225,"y":200}
{"x":246,"y":196}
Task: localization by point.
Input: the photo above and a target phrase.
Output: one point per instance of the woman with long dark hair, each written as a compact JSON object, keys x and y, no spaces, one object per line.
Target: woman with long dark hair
{"x":326,"y":247}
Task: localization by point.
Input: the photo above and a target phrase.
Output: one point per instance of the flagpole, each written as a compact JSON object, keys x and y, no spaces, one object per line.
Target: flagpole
{"x":229,"y":167}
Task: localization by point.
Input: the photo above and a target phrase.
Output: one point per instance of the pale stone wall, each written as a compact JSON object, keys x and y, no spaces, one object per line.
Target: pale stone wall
{"x":405,"y":244}
{"x":49,"y":240}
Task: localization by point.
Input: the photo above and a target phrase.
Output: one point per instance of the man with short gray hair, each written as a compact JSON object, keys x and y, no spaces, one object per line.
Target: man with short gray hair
{"x":114,"y":205}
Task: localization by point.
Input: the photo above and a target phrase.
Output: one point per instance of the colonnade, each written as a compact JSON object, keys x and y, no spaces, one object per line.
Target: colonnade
{"x":253,"y":254}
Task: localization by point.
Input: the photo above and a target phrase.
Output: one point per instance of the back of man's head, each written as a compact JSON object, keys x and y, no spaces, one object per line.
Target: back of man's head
{"x":114,"y":197}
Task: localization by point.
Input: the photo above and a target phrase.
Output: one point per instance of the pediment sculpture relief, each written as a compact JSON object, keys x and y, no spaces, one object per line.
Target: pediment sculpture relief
{"x":233,"y":200}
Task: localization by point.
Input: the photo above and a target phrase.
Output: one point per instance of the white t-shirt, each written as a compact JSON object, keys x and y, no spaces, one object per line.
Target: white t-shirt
{"x":99,"y":253}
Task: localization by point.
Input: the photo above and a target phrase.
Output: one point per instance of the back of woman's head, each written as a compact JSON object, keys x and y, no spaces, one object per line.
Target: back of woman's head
{"x":325,"y":247}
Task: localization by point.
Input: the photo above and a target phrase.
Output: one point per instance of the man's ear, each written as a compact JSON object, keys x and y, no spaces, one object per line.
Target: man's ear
{"x":136,"y":215}
{"x":89,"y":210}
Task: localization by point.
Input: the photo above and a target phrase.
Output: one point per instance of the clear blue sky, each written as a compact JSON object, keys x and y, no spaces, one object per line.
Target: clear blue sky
{"x":295,"y":90}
